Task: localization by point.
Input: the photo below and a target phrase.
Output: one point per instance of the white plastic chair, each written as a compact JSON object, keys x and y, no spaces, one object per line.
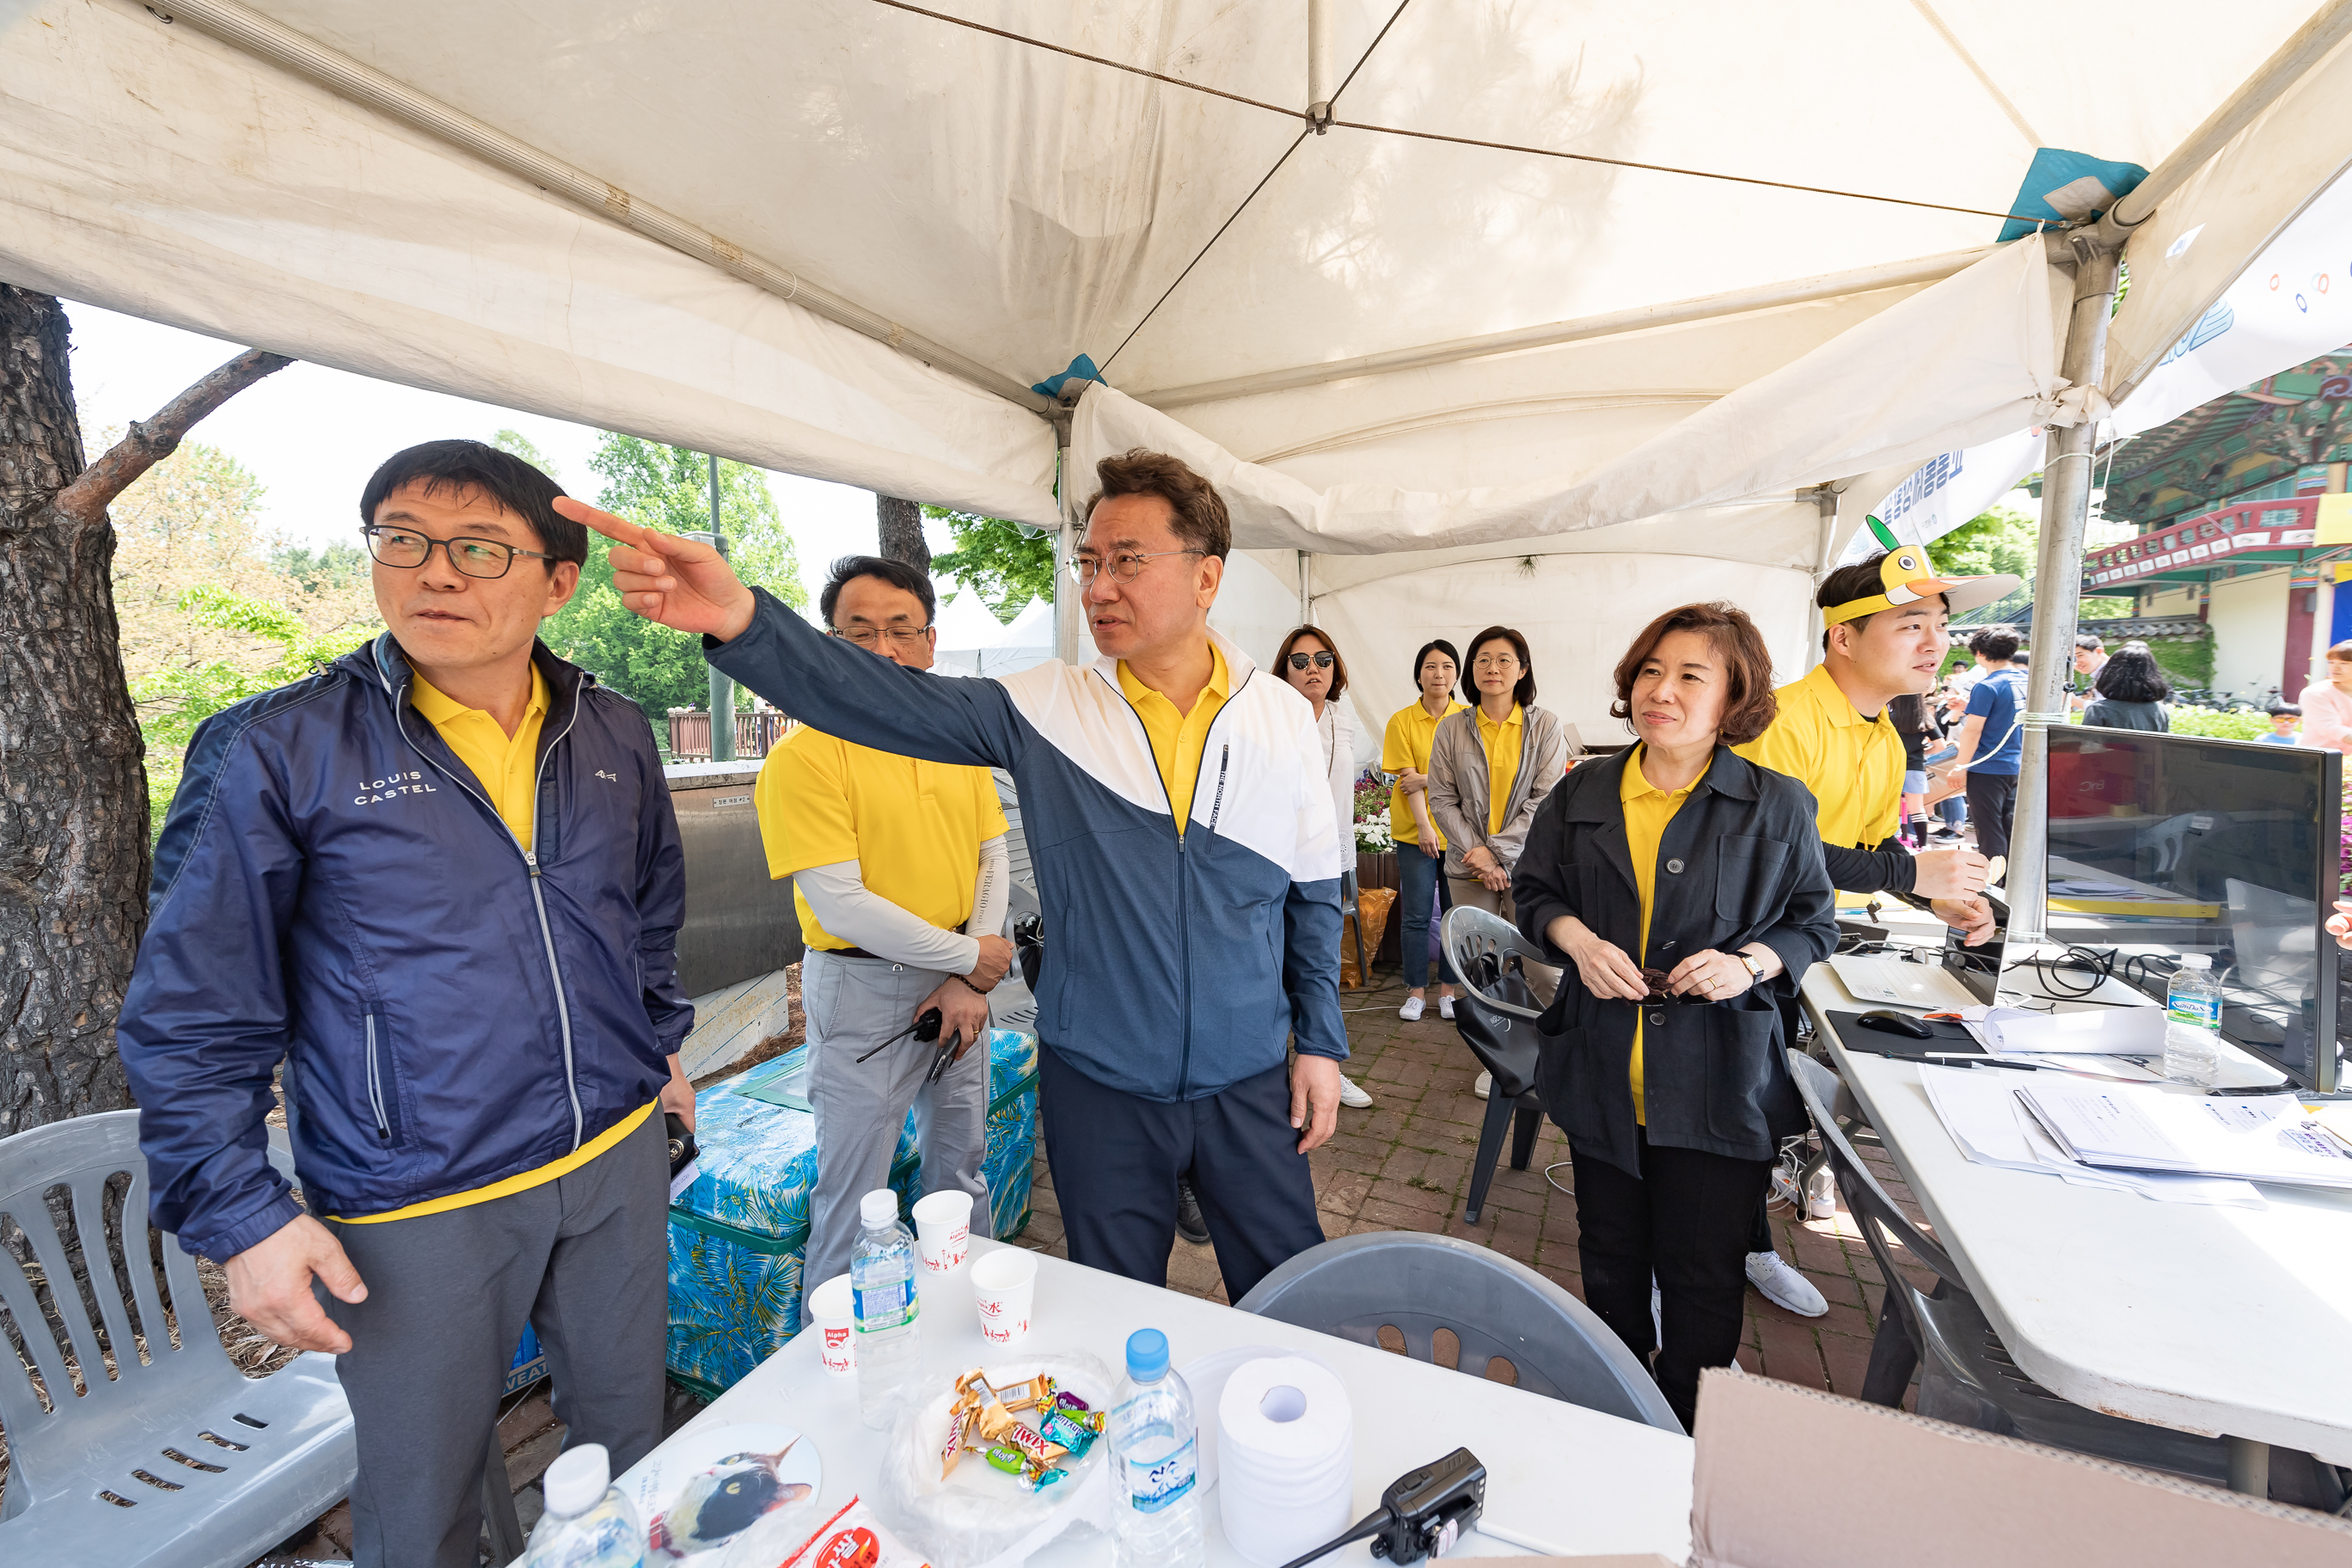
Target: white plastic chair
{"x":180,"y":1458}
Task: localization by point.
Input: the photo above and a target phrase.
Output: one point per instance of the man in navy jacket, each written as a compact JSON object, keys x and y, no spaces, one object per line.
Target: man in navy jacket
{"x":440,"y":883}
{"x":1178,"y":816}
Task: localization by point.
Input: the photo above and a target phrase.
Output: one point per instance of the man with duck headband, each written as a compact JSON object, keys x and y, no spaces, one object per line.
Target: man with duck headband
{"x":1884,"y":635}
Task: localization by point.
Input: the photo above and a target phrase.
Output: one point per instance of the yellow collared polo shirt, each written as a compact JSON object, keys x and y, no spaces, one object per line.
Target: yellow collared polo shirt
{"x":1854,"y":765}
{"x":914,"y":827}
{"x":1178,"y":739}
{"x":1502,"y":743}
{"x":1647,"y":810}
{"x":1405,"y":744}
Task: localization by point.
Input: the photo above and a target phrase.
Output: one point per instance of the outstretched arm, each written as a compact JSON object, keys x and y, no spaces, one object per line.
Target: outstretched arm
{"x":834,"y":685}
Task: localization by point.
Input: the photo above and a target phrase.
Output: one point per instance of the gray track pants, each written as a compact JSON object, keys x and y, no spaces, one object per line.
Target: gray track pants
{"x":583,"y":1258}
{"x":854,"y":1004}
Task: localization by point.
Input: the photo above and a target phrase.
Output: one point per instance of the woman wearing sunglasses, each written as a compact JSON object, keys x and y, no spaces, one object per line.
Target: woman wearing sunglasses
{"x":1682,"y":887}
{"x":1314,"y":667}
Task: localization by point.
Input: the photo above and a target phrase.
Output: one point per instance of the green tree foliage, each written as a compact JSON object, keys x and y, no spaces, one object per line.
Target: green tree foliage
{"x":176,"y":698}
{"x":1002,"y":562}
{"x":515,"y":444}
{"x":328,"y":568}
{"x":667,"y":488}
{"x":2001,"y":539}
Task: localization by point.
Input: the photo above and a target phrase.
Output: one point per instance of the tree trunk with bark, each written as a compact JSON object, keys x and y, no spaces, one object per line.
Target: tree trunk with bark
{"x":73,"y":790}
{"x":900,"y":523}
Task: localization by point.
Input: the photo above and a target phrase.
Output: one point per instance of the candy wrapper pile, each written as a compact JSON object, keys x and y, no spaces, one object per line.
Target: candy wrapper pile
{"x":988,"y":1421}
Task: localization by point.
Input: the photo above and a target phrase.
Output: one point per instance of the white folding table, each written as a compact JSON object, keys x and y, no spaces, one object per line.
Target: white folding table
{"x":1561,"y":1480}
{"x":2226,"y":1321}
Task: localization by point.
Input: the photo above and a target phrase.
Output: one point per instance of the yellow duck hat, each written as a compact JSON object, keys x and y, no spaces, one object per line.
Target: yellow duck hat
{"x":1909,"y":576}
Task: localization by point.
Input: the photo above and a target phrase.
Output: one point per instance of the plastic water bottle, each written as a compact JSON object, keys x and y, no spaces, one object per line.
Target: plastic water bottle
{"x":1155,"y":1503}
{"x":889,"y":1332}
{"x":588,"y":1523}
{"x":2193,"y":1023}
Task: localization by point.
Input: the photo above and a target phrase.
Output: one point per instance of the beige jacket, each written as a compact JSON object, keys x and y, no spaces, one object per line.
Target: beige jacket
{"x":1459,"y":798}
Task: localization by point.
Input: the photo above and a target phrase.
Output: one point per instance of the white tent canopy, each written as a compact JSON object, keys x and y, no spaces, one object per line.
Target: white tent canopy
{"x":1609,"y":292}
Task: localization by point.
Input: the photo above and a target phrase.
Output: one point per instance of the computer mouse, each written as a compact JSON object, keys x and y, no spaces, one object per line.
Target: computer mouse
{"x":1887,"y":1021}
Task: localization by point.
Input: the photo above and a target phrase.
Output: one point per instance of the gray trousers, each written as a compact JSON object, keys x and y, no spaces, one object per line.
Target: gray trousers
{"x":583,"y":1258}
{"x":854,"y":1004}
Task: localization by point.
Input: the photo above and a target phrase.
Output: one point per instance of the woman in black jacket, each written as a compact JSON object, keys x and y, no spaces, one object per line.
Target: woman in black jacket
{"x":1682,"y":888}
{"x":2131,"y":693}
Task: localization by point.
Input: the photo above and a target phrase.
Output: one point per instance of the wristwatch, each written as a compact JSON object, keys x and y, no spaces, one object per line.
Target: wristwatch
{"x":1755,"y":969}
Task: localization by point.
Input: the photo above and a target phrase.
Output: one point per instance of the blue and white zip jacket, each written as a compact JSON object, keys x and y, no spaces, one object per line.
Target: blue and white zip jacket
{"x":1175,"y":966}
{"x":333,"y":890}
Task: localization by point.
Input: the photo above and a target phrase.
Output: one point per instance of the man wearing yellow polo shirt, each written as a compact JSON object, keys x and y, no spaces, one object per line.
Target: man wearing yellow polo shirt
{"x":1187,"y":856}
{"x":1886,"y":636}
{"x":894,"y":861}
{"x":440,"y":883}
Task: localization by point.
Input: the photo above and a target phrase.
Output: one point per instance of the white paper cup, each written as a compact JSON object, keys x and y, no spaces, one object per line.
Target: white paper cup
{"x":1003,"y":1284}
{"x":829,"y":1311}
{"x":943,"y":1231}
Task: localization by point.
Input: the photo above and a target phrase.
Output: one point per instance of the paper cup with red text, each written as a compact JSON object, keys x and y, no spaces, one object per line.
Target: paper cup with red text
{"x":1003,"y":1284}
{"x":832,"y":1317}
{"x":943,"y":1232}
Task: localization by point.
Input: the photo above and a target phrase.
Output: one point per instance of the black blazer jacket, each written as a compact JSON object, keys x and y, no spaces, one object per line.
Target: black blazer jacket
{"x":1740,"y":862}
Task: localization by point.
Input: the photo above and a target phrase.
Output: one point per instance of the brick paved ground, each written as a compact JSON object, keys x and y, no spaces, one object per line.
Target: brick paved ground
{"x":1404,"y":1164}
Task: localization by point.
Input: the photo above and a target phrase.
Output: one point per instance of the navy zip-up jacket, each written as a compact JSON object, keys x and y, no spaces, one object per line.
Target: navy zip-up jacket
{"x":332,"y":889}
{"x":1175,"y":965}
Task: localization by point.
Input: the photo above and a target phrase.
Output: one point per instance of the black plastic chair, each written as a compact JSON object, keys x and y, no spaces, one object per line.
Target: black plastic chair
{"x":1496,"y":1017}
{"x":1418,"y":1286}
{"x":1966,"y":1374}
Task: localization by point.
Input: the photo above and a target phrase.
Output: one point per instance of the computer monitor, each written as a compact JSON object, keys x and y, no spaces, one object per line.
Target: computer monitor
{"x":2182,"y":844}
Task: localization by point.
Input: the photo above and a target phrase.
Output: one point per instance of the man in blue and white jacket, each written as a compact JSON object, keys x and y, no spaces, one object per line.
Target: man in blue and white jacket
{"x":1181,"y":825}
{"x":440,"y":882}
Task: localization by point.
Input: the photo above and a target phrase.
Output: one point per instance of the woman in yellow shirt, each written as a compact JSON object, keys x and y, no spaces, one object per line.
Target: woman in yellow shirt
{"x":1682,"y":890}
{"x":1420,"y":846}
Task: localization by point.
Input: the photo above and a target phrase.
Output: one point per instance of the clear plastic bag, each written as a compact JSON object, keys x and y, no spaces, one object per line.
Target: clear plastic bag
{"x":978,"y":1517}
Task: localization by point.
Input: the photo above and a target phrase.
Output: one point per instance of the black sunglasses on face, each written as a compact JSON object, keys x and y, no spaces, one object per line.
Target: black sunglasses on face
{"x":1319,"y":661}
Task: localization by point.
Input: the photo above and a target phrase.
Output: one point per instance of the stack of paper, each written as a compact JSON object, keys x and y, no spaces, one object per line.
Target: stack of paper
{"x":1980,"y":1109}
{"x":2128,"y":1128}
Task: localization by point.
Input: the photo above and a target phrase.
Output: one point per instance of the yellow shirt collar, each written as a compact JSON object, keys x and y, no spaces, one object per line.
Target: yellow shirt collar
{"x":1633,"y":784}
{"x":1831,"y":697}
{"x":1219,"y":679}
{"x":1516,"y":713}
{"x":439,"y":708}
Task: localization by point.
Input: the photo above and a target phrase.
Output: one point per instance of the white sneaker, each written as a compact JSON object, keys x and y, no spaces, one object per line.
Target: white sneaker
{"x":1783,"y":1285}
{"x":1446,"y":1008}
{"x":1350,"y":1096}
{"x":1412,"y":1010}
{"x":1485,"y":1081}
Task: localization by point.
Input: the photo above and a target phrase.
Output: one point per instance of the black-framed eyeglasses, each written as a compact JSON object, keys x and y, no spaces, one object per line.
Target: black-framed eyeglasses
{"x":872,"y":638}
{"x":1319,"y":661}
{"x":405,"y":547}
{"x":1125,"y":566}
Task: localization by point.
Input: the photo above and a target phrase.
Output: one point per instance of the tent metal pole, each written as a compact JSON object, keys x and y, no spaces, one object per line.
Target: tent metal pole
{"x":1306,"y":587}
{"x":1067,"y":608}
{"x":1738,"y":302}
{"x":1322,"y":71}
{"x":242,"y":27}
{"x":2057,"y":592}
{"x":2312,"y":43}
{"x":722,"y":686}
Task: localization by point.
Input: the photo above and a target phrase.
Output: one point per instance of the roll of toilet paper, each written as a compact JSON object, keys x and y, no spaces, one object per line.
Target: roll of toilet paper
{"x":1287,"y":1447}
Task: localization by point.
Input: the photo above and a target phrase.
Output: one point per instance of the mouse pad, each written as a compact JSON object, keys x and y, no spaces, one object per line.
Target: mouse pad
{"x":1879,"y":1043}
